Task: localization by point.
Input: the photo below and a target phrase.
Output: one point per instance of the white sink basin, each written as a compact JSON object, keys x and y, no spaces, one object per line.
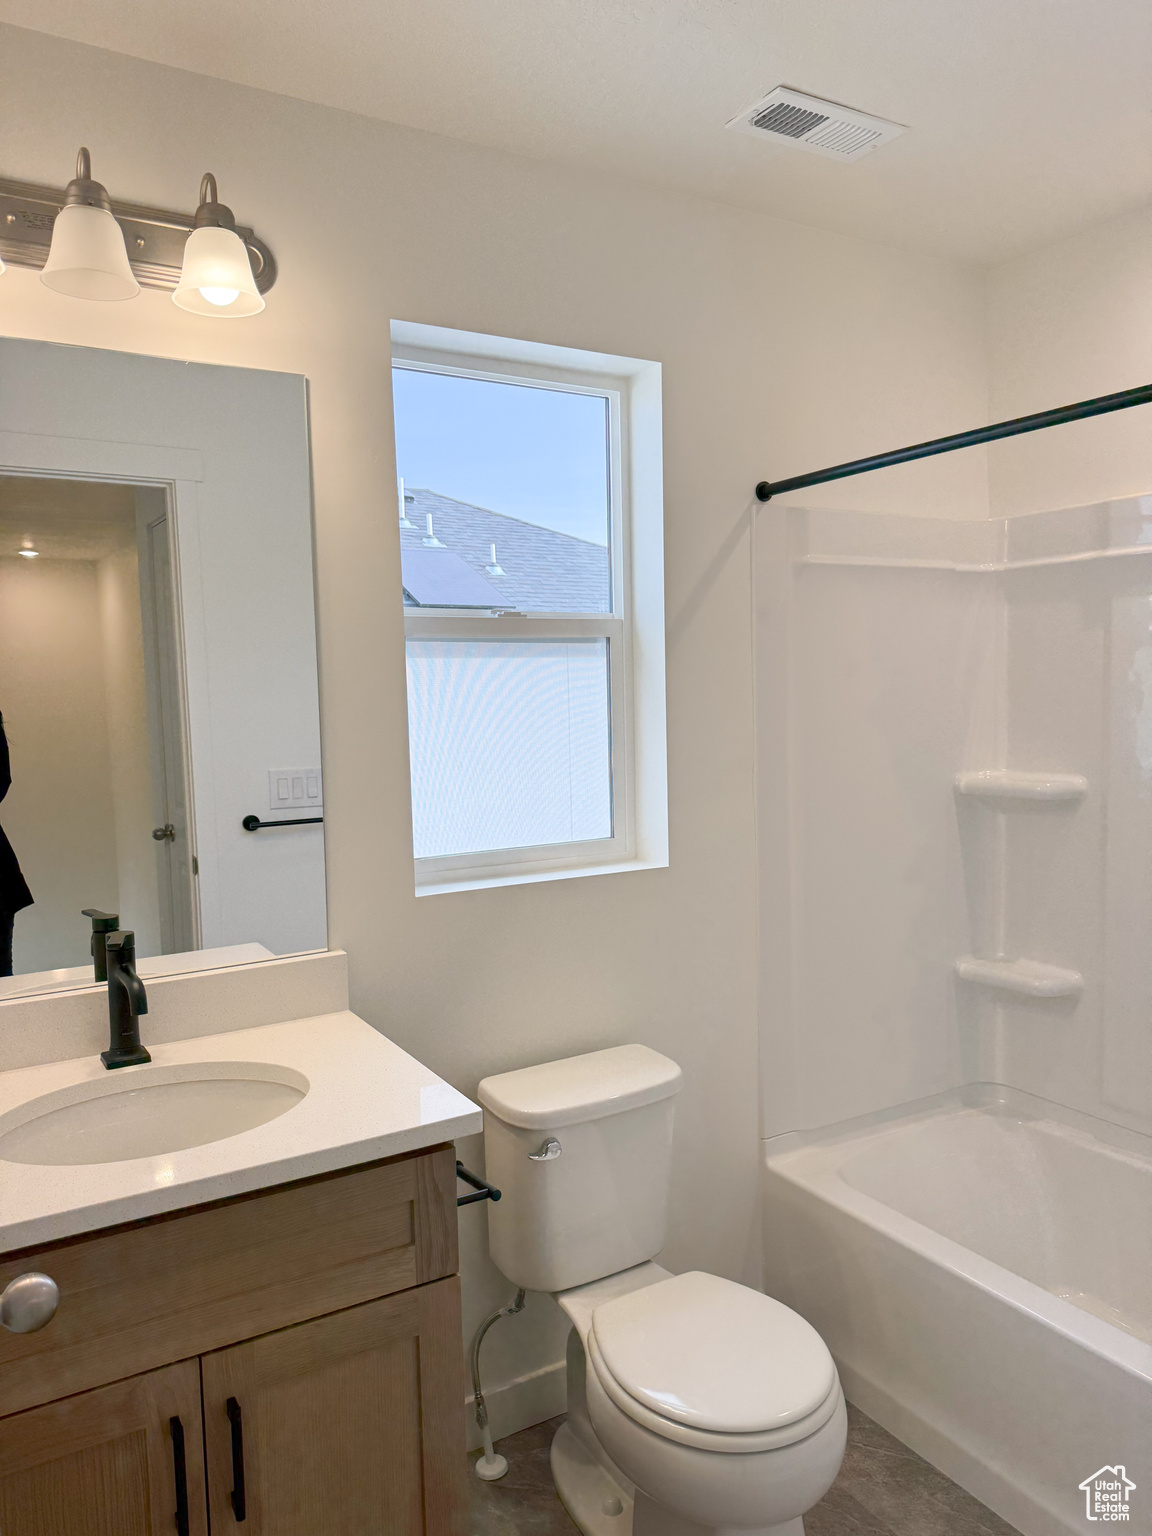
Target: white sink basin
{"x":210,"y":1117}
{"x":147,"y":1111}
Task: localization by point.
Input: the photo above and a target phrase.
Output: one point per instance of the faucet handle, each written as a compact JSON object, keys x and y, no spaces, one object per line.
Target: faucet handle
{"x":103,"y":923}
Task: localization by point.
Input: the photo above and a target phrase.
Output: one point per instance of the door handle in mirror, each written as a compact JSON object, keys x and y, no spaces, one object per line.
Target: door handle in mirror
{"x":165,"y":834}
{"x":28,"y":1303}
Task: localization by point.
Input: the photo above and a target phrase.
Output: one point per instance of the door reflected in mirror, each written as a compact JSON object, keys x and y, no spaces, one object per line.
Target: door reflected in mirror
{"x":157,"y":674}
{"x":96,"y":814}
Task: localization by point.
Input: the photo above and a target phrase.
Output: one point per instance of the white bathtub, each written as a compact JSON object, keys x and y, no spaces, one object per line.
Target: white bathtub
{"x":982,"y":1272}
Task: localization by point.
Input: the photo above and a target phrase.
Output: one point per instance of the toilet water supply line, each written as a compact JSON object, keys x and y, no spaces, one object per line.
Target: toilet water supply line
{"x":490,"y":1466}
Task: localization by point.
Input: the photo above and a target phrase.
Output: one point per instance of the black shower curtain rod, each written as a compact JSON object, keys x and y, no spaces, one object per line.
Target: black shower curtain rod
{"x":1098,"y":407}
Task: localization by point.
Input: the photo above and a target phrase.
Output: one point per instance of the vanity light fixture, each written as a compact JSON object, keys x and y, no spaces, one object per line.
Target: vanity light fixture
{"x":29,"y":553}
{"x":87,"y":258}
{"x":217,"y":275}
{"x":45,"y":227}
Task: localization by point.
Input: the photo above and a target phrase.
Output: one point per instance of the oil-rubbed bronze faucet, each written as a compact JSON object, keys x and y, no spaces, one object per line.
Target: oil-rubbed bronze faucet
{"x":127,"y":1000}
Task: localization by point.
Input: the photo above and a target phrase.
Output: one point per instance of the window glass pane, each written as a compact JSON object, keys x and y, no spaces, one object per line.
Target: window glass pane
{"x":510,"y":743}
{"x":516,"y":482}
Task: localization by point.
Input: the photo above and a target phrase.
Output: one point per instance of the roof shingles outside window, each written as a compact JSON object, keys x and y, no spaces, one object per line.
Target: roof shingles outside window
{"x":541,"y":571}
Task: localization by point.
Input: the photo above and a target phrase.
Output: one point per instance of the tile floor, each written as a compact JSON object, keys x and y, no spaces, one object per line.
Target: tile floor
{"x":884,"y":1489}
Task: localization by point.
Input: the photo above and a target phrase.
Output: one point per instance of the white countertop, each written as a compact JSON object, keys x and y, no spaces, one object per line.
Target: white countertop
{"x":366,"y":1099}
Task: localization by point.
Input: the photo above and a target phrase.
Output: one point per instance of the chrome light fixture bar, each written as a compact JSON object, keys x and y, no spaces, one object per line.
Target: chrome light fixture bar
{"x":154,"y":237}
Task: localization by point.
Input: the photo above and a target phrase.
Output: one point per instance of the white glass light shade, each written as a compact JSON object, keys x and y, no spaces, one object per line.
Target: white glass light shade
{"x":217,"y":277}
{"x":88,"y":259}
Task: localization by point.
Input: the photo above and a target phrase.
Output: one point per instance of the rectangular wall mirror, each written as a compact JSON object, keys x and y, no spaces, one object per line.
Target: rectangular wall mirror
{"x":158,"y":681}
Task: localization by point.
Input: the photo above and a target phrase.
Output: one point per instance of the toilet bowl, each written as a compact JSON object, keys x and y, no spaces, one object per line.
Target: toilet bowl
{"x":710,"y":1407}
{"x":696,"y":1406}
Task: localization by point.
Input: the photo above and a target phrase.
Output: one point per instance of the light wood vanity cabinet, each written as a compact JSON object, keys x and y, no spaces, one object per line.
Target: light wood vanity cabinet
{"x":103,"y":1464}
{"x":282,"y":1364}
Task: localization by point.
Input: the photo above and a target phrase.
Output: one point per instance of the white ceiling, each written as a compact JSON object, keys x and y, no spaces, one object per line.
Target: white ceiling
{"x":65,"y":519}
{"x":1028,"y":119}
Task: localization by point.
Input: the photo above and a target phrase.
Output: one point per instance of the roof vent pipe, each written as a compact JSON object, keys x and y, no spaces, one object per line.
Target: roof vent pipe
{"x":430,"y":539}
{"x":405,"y":521}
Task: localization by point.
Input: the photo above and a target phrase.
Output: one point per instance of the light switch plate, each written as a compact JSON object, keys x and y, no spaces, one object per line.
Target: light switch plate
{"x":295,"y":789}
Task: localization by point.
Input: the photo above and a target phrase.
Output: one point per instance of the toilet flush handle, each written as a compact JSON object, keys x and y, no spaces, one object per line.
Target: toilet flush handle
{"x":547,"y":1153}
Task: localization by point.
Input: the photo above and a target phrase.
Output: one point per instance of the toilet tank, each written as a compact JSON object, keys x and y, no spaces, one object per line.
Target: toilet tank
{"x":599,"y":1204}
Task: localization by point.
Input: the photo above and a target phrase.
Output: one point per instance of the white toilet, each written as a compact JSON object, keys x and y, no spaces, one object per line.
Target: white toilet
{"x":696,"y":1407}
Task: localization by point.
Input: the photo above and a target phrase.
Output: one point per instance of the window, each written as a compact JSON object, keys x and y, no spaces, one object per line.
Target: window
{"x":516,"y":553}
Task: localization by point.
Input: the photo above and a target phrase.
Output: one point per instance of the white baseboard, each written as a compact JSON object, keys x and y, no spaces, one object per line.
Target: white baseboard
{"x":521,"y":1403}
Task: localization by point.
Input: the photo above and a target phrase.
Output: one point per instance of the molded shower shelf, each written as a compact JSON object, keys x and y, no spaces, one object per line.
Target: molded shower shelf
{"x":1030,"y":978}
{"x":1009,"y":784}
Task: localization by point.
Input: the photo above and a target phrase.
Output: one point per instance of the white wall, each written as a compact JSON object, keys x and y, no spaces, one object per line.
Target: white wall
{"x":59,"y":812}
{"x":782,"y":348}
{"x":1067,"y":323}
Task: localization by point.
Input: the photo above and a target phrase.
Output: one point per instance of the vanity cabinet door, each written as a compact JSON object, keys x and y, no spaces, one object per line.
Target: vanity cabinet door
{"x":125,"y":1460}
{"x":352,"y":1425}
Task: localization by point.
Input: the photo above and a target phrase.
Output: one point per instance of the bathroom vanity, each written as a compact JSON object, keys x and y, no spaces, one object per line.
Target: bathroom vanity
{"x":288,"y":1362}
{"x":258,"y":1333}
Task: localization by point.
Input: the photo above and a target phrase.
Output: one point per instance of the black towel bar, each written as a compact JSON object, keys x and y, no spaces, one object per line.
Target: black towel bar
{"x":254,"y":824}
{"x":483,"y":1191}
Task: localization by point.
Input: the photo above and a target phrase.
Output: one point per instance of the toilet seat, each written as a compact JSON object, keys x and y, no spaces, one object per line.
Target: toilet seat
{"x":709,"y":1440}
{"x":705,"y":1362}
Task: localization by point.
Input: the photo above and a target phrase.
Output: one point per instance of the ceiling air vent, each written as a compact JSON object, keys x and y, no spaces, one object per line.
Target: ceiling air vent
{"x":806,"y":122}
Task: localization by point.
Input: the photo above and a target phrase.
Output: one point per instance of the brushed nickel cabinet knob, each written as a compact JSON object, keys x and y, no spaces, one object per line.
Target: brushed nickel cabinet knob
{"x":28,"y":1303}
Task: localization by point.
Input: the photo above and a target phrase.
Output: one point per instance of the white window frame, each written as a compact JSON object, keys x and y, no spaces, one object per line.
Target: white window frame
{"x":513,"y":865}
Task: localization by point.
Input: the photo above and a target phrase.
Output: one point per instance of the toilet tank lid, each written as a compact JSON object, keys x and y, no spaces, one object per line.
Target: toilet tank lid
{"x":580,"y":1088}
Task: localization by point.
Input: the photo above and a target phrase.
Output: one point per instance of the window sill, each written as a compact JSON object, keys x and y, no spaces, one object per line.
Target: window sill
{"x":536,"y":876}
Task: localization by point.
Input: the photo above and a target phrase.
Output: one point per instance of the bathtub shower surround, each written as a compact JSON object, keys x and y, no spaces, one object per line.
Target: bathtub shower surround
{"x":955,"y":758}
{"x":980,"y":1271}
